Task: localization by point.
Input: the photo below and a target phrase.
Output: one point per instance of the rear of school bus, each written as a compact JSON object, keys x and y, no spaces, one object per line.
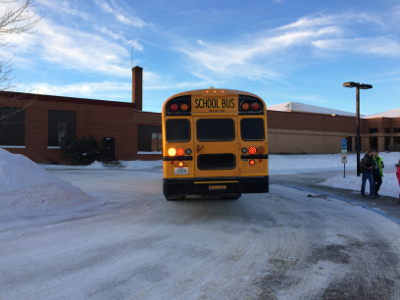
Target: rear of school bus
{"x":214,"y":143}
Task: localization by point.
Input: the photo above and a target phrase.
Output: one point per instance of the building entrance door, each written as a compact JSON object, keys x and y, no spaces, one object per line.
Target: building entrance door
{"x":109,"y":151}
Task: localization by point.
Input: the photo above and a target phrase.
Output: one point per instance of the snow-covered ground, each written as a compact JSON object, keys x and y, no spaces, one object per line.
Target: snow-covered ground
{"x":295,"y":164}
{"x":27,"y":188}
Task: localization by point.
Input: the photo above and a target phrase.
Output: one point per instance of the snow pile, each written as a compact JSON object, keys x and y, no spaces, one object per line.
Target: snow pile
{"x":97,"y":165}
{"x":142,"y":164}
{"x":26,"y":188}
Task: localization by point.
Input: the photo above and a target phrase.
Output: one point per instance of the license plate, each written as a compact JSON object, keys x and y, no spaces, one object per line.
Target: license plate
{"x":217,"y":187}
{"x":181,"y":171}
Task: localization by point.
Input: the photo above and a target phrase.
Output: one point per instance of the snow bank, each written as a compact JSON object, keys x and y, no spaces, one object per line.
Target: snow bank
{"x":142,"y":164}
{"x":389,"y":187}
{"x":26,"y":188}
{"x":293,"y":164}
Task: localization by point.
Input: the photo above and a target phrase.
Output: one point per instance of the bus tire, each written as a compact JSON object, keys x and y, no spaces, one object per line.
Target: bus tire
{"x":173,"y":198}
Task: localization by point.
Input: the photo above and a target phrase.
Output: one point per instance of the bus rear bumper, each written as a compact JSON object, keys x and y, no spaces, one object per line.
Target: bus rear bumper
{"x":215,"y":186}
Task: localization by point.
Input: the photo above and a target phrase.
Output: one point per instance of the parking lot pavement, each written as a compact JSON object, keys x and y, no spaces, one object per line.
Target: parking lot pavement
{"x":311,"y":182}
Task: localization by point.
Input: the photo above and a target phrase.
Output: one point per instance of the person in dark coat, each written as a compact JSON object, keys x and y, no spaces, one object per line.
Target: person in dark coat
{"x":367,"y":168}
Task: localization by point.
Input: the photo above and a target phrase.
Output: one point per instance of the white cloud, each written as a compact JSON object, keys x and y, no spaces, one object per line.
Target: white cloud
{"x":262,"y":55}
{"x":63,"y":7}
{"x":135,"y":21}
{"x":73,"y":49}
{"x":244,"y":59}
{"x":152,"y":81}
{"x":380,"y":45}
{"x":133,"y":43}
{"x":107,"y":89}
{"x":91,"y":90}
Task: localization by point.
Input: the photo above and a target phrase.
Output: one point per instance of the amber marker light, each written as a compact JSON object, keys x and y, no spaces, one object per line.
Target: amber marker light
{"x":184,"y":107}
{"x":252,"y":162}
{"x":252,"y":150}
{"x":180,"y":164}
{"x":180,"y":151}
{"x":245,"y":106}
{"x":171,"y":152}
{"x":260,"y":150}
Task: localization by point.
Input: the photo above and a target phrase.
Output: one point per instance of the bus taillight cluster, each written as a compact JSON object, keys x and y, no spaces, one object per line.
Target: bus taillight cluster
{"x":179,"y":152}
{"x":253,"y":150}
{"x":253,"y":106}
{"x":182,"y":107}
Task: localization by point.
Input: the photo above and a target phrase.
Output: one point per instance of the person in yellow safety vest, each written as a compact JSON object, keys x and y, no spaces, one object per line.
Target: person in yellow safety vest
{"x":378,"y":172}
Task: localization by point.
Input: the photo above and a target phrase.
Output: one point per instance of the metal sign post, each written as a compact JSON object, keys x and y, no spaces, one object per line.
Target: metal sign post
{"x":344,"y":156}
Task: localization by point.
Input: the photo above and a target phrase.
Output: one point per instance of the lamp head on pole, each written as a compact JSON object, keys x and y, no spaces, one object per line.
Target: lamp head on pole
{"x":351,"y":84}
{"x":365,"y":86}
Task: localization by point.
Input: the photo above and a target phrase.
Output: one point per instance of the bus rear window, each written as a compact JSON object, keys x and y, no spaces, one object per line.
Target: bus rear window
{"x":215,"y":130}
{"x":252,"y":129}
{"x":178,"y":130}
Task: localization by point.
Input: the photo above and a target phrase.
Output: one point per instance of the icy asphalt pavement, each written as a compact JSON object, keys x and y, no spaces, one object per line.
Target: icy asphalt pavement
{"x":132,"y":244}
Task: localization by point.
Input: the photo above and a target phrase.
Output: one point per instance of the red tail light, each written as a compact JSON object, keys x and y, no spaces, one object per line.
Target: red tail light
{"x":180,"y":164}
{"x":255,"y":106}
{"x":252,"y":150}
{"x":174,"y":107}
{"x":180,"y":151}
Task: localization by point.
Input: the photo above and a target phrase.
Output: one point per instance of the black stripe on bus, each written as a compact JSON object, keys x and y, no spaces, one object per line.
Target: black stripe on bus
{"x":265,"y":156}
{"x":176,"y":158}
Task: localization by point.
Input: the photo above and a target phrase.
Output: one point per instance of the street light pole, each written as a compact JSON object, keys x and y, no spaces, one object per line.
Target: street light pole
{"x":358,"y":142}
{"x":358,"y":86}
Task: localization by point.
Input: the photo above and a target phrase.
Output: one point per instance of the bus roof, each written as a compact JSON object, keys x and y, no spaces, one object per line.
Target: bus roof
{"x":228,"y":91}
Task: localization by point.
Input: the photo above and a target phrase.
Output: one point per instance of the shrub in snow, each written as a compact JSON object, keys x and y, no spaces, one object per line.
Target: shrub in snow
{"x":83,"y":151}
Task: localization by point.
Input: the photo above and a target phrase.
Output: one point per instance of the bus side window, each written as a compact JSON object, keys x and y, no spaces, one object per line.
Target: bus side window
{"x":252,"y":129}
{"x":178,"y":130}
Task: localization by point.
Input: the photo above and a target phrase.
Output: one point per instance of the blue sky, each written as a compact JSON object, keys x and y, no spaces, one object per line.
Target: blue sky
{"x":283,"y":51}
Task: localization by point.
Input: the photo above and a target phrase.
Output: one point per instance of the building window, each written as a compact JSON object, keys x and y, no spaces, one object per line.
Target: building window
{"x":396,"y":130}
{"x":149,"y":138}
{"x":349,"y":143}
{"x":62,"y":126}
{"x":387,"y":130}
{"x":373,"y":130}
{"x":387,"y":143}
{"x":156,"y":141}
{"x":396,"y":143}
{"x":373,"y":143}
{"x":12,"y":126}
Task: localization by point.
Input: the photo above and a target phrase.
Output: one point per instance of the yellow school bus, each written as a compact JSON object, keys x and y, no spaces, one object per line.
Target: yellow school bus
{"x":214,"y":143}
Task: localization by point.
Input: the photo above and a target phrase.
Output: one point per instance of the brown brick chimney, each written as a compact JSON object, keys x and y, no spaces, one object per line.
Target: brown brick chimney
{"x":137,"y":87}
